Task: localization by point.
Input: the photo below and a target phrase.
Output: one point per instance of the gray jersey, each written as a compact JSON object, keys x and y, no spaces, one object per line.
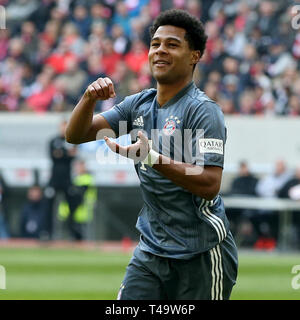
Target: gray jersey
{"x":190,"y":128}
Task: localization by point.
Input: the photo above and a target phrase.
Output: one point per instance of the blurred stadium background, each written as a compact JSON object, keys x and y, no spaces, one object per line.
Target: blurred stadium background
{"x":50,"y":50}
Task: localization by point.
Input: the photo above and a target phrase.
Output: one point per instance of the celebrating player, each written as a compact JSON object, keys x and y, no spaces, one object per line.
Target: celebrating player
{"x":186,"y":250}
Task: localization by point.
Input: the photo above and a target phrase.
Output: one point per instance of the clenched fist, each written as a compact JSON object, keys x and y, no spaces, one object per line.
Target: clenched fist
{"x":101,"y":89}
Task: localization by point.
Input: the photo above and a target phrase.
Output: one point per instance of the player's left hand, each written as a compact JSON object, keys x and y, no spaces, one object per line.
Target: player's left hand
{"x":137,"y":151}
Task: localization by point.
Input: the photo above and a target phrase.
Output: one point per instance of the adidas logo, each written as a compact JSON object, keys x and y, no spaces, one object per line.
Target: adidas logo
{"x":139,"y":122}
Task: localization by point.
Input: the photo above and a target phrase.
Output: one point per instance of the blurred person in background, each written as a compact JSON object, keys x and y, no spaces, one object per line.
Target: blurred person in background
{"x":122,"y":77}
{"x":243,"y":185}
{"x":41,"y":98}
{"x":121,"y":42}
{"x":267,"y":18}
{"x":82,"y":19}
{"x":72,"y":80}
{"x":18,"y":11}
{"x":279,"y":59}
{"x":230,"y":88}
{"x":226,"y":104}
{"x":84,"y":213}
{"x":4,"y":232}
{"x":245,"y":182}
{"x":32,"y":213}
{"x":137,"y":56}
{"x":293,"y":107}
{"x":59,"y":57}
{"x":266,"y":221}
{"x":234,"y":42}
{"x":122,"y":17}
{"x":269,"y":185}
{"x":29,"y":35}
{"x":246,"y":103}
{"x":62,"y":155}
{"x":109,"y":58}
{"x":291,"y":189}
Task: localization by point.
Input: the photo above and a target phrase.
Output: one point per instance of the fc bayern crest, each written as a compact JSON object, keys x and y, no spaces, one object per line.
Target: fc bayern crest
{"x":170,"y":125}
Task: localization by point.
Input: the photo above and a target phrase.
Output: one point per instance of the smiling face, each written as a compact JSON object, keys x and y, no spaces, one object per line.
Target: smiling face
{"x":170,"y":57}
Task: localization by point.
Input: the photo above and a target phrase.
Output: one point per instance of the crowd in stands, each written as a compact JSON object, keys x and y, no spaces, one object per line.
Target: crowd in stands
{"x":51,"y":50}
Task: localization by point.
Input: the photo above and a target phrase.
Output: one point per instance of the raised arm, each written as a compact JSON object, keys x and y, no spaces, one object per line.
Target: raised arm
{"x":83,"y":125}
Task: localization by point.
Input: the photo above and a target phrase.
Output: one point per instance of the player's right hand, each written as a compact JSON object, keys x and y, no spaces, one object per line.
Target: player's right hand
{"x":101,"y":89}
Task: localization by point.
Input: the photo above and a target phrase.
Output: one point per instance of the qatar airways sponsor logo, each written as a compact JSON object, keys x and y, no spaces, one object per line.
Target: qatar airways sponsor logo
{"x":211,"y":146}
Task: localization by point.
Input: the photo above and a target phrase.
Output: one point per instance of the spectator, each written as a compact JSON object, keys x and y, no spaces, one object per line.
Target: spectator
{"x":30,"y":39}
{"x":230,"y":88}
{"x":245,"y":183}
{"x":87,"y":193}
{"x":40,"y":101}
{"x":291,"y":189}
{"x":211,"y":90}
{"x":109,"y":58}
{"x":50,"y":33}
{"x":72,"y":81}
{"x":269,"y":185}
{"x":240,"y":219}
{"x":226,"y":104}
{"x":294,"y":105}
{"x":122,"y":77}
{"x":266,"y":222}
{"x":122,"y":17}
{"x":267,"y":21}
{"x":246,"y":103}
{"x":18,"y":11}
{"x":137,"y":56}
{"x":245,"y":19}
{"x":32,"y":213}
{"x":58,"y":59}
{"x":99,"y":13}
{"x":234,"y":41}
{"x":82,"y":20}
{"x":61,"y":154}
{"x":263,"y":101}
{"x":121,"y":42}
{"x":73,"y":41}
{"x":279,"y":59}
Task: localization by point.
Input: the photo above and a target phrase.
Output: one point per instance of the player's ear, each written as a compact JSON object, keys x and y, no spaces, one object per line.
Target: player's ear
{"x":196,"y":54}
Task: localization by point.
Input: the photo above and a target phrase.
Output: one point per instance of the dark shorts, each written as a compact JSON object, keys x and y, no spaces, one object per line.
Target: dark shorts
{"x":208,"y":276}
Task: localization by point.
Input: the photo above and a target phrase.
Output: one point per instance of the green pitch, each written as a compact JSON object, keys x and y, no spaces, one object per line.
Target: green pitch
{"x":81,"y":274}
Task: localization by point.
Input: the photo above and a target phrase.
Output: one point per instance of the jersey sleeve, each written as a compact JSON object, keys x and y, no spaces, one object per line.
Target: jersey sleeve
{"x":120,"y":113}
{"x":209,"y":134}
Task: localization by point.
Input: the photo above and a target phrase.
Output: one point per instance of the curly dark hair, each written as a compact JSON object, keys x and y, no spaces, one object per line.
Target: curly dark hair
{"x":195,"y":33}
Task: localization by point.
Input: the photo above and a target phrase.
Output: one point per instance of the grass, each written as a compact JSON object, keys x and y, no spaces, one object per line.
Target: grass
{"x":50,"y":274}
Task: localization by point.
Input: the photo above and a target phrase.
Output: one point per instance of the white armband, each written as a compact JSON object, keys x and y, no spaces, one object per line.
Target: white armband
{"x":151,"y":158}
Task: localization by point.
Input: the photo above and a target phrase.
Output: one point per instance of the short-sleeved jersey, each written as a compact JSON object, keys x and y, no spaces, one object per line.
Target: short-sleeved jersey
{"x":190,"y":128}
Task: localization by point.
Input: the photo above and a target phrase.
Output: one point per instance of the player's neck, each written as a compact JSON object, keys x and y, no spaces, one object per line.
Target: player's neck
{"x":166,"y":92}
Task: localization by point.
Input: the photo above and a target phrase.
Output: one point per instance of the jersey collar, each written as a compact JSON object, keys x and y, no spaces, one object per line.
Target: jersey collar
{"x":179,"y":95}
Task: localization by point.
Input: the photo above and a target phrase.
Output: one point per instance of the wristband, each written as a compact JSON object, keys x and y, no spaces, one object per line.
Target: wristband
{"x":151,"y":158}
